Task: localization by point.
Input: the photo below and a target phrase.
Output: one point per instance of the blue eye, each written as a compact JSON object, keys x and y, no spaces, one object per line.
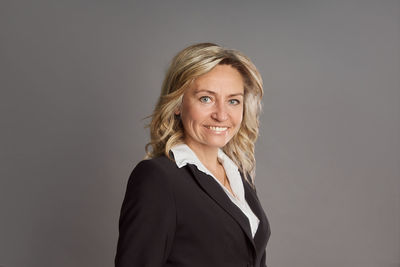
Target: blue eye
{"x":234,"y":102}
{"x":205,"y":99}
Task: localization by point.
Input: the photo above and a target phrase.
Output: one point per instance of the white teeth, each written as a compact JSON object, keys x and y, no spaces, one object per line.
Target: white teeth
{"x":217,"y":129}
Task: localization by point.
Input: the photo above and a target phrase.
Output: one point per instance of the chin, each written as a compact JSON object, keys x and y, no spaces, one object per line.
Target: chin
{"x":218,"y":144}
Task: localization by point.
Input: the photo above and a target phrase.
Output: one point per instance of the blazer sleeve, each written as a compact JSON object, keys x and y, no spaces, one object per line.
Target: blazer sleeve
{"x":148,"y":218}
{"x":263,"y":259}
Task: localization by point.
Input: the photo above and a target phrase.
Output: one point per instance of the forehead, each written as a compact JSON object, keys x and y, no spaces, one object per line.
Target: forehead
{"x":221,"y":78}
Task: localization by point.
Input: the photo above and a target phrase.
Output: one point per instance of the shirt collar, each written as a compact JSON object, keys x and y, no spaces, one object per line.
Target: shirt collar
{"x":183,"y":155}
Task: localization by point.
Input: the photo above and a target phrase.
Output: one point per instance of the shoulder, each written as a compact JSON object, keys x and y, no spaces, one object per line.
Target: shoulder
{"x":152,"y":170}
{"x":150,"y":184}
{"x":156,"y":165}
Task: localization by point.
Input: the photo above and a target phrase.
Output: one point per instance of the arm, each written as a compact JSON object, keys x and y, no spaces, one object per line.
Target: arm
{"x":263,"y":259}
{"x":147,"y":220}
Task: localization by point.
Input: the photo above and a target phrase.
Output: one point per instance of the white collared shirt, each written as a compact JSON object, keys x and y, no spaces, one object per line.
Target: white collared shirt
{"x":184,"y":155}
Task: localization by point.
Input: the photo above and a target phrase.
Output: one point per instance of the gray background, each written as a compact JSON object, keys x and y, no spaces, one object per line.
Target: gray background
{"x":78,"y":77}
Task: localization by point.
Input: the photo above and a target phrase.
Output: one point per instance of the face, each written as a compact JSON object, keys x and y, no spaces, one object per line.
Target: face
{"x":212,"y":108}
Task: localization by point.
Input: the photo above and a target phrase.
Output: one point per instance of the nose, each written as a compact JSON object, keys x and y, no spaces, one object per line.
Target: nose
{"x":220,"y":112}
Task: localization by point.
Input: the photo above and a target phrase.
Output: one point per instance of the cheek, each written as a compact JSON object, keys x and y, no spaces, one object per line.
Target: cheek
{"x":238,"y":117}
{"x":194,"y":111}
{"x":191,"y":114}
{"x":238,"y":122}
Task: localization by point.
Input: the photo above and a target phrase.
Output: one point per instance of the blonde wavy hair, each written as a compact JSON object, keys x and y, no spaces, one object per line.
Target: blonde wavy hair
{"x":166,"y":129}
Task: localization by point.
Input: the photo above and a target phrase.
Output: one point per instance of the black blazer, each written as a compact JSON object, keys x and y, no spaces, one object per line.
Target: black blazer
{"x":182,"y":217}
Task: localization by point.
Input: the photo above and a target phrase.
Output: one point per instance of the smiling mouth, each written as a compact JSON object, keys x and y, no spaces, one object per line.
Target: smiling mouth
{"x":217,"y":129}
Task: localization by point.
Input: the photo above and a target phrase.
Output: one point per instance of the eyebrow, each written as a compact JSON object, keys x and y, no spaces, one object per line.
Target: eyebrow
{"x":213,"y":93}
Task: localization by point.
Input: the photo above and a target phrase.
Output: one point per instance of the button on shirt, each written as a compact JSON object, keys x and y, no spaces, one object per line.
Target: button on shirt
{"x":184,"y":155}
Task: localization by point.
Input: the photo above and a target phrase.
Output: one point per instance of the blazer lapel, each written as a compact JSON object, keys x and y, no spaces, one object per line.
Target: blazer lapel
{"x":263,"y":231}
{"x":214,"y":190}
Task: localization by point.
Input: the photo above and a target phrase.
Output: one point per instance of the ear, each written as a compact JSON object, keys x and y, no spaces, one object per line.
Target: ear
{"x":177,"y":111}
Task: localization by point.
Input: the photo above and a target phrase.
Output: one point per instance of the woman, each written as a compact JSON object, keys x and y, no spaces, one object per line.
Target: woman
{"x":193,"y":202}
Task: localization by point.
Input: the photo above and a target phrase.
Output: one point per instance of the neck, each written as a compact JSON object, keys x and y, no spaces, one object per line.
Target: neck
{"x":207,"y":155}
